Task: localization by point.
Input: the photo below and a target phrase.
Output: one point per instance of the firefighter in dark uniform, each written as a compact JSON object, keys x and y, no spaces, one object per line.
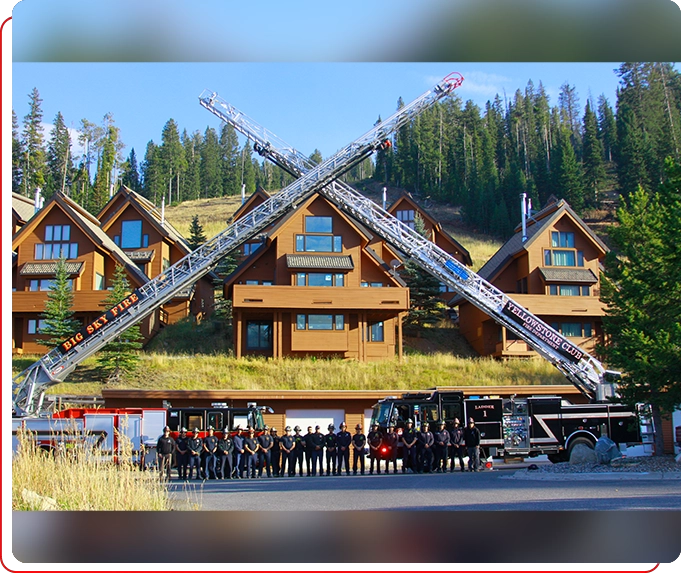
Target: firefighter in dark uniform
{"x":317,"y":451}
{"x":288,"y":455}
{"x":308,"y":448}
{"x":266,"y":442}
{"x":343,"y":439}
{"x":276,"y":453}
{"x":182,"y":454}
{"x":331,"y":445}
{"x":299,"y":451}
{"x":471,"y":436}
{"x":210,"y":446}
{"x":456,"y":435}
{"x":409,"y":439}
{"x":375,"y":439}
{"x":390,"y":441}
{"x":426,"y":442}
{"x":225,"y":452}
{"x":165,"y":446}
{"x":239,"y":453}
{"x":359,"y":442}
{"x":441,"y":445}
{"x":251,"y":446}
{"x":195,"y":445}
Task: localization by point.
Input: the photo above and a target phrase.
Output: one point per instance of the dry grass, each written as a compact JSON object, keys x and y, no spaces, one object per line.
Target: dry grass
{"x":78,"y":480}
{"x":481,"y":247}
{"x":213,"y":214}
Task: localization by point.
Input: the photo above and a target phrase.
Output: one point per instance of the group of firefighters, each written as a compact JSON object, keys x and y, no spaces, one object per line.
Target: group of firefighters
{"x":245,"y":455}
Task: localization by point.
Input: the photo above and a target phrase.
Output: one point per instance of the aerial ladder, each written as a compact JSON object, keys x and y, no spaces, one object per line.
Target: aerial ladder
{"x":29,"y":386}
{"x":583,"y":370}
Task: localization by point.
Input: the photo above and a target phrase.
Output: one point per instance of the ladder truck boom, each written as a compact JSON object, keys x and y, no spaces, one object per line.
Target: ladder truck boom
{"x":582,"y":369}
{"x":29,"y":386}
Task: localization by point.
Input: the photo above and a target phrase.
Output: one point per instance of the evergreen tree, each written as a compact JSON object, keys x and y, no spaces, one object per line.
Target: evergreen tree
{"x":631,"y":165}
{"x":607,"y":129}
{"x":17,"y":156}
{"x":58,"y":316}
{"x":59,"y":160}
{"x":120,"y":356}
{"x":211,"y":175}
{"x":568,"y":103}
{"x":196,"y":235}
{"x":152,"y":179}
{"x":192,"y":177}
{"x":248,"y":169}
{"x":425,"y":305}
{"x":642,"y":289}
{"x":230,"y":161}
{"x":130,"y":176}
{"x":104,"y":179}
{"x":594,"y":168}
{"x":569,"y":177}
{"x":34,"y":153}
{"x":172,"y":160}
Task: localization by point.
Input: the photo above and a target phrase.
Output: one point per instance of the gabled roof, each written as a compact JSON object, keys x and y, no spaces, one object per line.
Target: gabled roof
{"x":89,"y":225}
{"x":23,"y":207}
{"x":147,"y":209}
{"x":257,"y":198}
{"x":434,"y":223}
{"x":538,"y":223}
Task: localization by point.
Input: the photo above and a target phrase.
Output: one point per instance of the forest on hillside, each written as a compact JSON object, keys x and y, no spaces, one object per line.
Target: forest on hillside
{"x":588,"y":153}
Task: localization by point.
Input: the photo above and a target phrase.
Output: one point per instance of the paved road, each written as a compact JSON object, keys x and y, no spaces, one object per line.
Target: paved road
{"x":496,"y":490}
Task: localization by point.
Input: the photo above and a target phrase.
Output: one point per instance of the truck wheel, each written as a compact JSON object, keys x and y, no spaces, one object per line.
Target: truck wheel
{"x":584,"y":441}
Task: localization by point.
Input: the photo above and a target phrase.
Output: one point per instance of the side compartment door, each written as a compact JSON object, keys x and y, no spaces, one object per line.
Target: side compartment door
{"x":487,"y":414}
{"x":546,"y":423}
{"x":95,"y":424}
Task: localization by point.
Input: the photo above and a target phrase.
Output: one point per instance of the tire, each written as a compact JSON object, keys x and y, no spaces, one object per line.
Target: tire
{"x":584,"y":441}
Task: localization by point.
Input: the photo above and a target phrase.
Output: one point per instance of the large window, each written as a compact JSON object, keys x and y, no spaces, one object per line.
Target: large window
{"x":250,"y":248}
{"x":320,"y":279}
{"x":46,"y":284}
{"x":318,"y":225}
{"x":320,"y":322}
{"x":406,"y":216}
{"x":375,"y":332}
{"x":258,"y":335}
{"x":561,"y":239}
{"x":319,"y":244}
{"x":569,"y":290}
{"x":131,"y":235}
{"x":563,"y":258}
{"x":35,"y":326}
{"x":573,"y":329}
{"x":56,"y":244}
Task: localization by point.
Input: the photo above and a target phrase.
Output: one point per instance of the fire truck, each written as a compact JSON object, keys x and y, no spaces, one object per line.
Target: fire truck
{"x":515,"y":427}
{"x":582,"y":369}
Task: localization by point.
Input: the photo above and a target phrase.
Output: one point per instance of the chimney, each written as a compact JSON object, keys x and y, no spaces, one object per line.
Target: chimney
{"x":385,"y":197}
{"x":523,"y":211}
{"x":243,"y":193}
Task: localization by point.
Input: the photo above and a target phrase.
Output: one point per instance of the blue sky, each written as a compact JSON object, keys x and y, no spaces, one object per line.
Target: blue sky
{"x":309,"y":105}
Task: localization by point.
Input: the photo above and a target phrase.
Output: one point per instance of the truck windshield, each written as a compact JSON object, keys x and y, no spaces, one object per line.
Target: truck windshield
{"x":381,"y":415}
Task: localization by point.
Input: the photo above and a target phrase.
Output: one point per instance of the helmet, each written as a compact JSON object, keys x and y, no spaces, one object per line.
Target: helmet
{"x":225,"y":431}
{"x":166,"y":429}
{"x":343,"y":425}
{"x":316,"y":427}
{"x":442,"y":423}
{"x":296,"y":429}
{"x":287,"y":429}
{"x":196,"y":430}
{"x":183,"y":431}
{"x":331,"y":427}
{"x":358,"y":427}
{"x":409,"y":421}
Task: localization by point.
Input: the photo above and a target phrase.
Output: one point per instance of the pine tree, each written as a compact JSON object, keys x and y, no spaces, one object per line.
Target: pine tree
{"x":192,"y":176}
{"x":642,"y":290}
{"x":104,"y":177}
{"x":211,"y":175}
{"x":130,"y":176}
{"x":34,"y":153}
{"x":196,"y":235}
{"x":59,"y":159}
{"x":17,"y":156}
{"x":120,"y":356}
{"x":569,"y":177}
{"x":594,"y":168}
{"x":607,"y":129}
{"x":425,"y":305}
{"x":230,"y":161}
{"x":58,"y":316}
{"x":152,"y":181}
{"x":172,"y":160}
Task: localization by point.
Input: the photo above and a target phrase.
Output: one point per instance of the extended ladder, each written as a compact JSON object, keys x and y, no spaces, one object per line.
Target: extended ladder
{"x":29,"y":386}
{"x":582,"y":369}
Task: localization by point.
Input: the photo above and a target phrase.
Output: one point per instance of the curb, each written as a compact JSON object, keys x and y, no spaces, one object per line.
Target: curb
{"x":538,"y":476}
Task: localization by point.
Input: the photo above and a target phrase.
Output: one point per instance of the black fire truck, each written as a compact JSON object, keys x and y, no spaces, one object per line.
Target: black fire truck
{"x":515,"y":427}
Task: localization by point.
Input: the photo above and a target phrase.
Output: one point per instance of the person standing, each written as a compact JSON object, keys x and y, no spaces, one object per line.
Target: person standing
{"x":426,"y":442}
{"x":251,"y":446}
{"x":195,"y":445}
{"x":409,"y":439}
{"x":331,"y":445}
{"x":442,"y":439}
{"x":471,"y":436}
{"x":182,"y":454}
{"x":225,"y":451}
{"x":457,"y":441}
{"x":299,"y":451}
{"x":359,"y":442}
{"x":265,"y":442}
{"x":375,"y":439}
{"x":276,"y":452}
{"x":288,"y":455}
{"x":239,"y":453}
{"x":343,"y":438}
{"x":165,"y":446}
{"x":390,"y":441}
{"x":210,"y":447}
{"x":308,"y":449}
{"x":316,"y":448}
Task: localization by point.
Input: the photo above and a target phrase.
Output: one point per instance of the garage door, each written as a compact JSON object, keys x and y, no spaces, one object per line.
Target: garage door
{"x":321,"y":418}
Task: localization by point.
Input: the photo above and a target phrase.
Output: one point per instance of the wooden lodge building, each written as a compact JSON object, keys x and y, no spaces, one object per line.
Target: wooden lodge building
{"x":554,"y":272}
{"x":129,"y":233}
